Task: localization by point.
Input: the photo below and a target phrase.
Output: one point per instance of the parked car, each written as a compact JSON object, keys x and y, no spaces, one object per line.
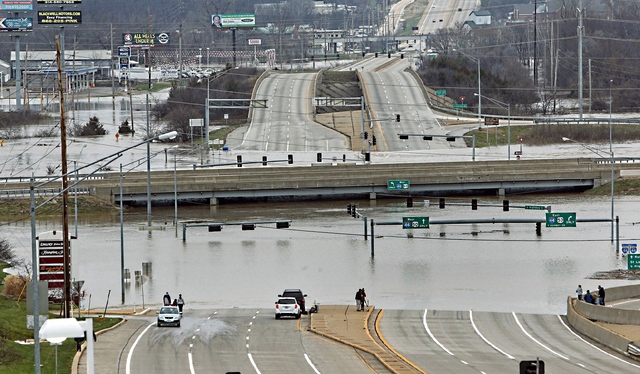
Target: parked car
{"x":168,"y":316}
{"x":288,"y":306}
{"x":297,"y":293}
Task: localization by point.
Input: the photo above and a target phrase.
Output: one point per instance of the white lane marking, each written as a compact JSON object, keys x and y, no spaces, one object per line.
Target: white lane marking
{"x":485,"y":339}
{"x":532,"y":338}
{"x":306,"y":357}
{"x":606,"y":353}
{"x":424,"y":322}
{"x":191,"y":368}
{"x":130,"y":354}
{"x":253,"y":363}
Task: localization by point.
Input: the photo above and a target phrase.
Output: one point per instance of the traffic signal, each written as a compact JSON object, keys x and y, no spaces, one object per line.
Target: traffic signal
{"x":373,"y":140}
{"x":539,"y":228}
{"x":213,"y":228}
{"x":319,"y":157}
{"x":290,"y":159}
{"x":367,"y":156}
{"x":363,"y":54}
{"x":313,"y":58}
{"x":409,"y":202}
{"x":505,"y":205}
{"x":389,"y":55}
{"x":441,"y":203}
{"x":337,"y":56}
{"x":376,"y":54}
{"x":248,"y":226}
{"x":474,"y":204}
{"x":366,"y":135}
{"x":349,"y":208}
{"x":404,"y":137}
{"x":282,"y":225}
{"x":451,"y":138}
{"x":354,"y":212}
{"x":427,"y":137}
{"x":532,"y":367}
{"x":397,"y":118}
{"x":264,"y":160}
{"x":401,"y":56}
{"x":239,"y":159}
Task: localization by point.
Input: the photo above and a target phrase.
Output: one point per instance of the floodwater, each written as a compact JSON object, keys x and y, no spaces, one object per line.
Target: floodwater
{"x":489,"y":267}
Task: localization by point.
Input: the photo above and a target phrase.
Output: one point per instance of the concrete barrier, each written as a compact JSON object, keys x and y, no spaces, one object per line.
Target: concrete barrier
{"x":612,"y":315}
{"x":596,"y":332}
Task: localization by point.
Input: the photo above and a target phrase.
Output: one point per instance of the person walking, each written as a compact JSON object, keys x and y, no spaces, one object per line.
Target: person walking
{"x":358,"y":299}
{"x":579,"y":292}
{"x":166,"y":299}
{"x":180,"y":303}
{"x":600,"y":295}
{"x":363,"y":299}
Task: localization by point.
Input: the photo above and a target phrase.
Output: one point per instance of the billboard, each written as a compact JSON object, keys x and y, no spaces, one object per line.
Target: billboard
{"x":143,"y":39}
{"x":59,"y":2}
{"x":16,"y":5}
{"x":51,"y":262}
{"x":16,"y":24}
{"x":229,"y":21}
{"x":65,"y":17}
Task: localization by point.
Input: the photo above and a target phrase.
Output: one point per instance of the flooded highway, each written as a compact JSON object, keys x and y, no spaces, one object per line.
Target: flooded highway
{"x":487,"y":267}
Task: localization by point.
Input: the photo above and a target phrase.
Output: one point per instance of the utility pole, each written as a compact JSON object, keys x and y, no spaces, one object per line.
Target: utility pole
{"x":65,"y":193}
{"x":580,"y":33}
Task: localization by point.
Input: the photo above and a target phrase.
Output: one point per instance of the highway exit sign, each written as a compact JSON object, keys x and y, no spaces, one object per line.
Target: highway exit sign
{"x":561,"y":220}
{"x":393,"y":185}
{"x":459,"y":106}
{"x":441,"y":92}
{"x":415,"y":222}
{"x":633,"y":261}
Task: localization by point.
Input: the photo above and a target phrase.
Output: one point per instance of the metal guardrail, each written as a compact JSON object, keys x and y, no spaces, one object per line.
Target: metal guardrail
{"x":539,"y":121}
{"x":41,"y":178}
{"x":41,"y":192}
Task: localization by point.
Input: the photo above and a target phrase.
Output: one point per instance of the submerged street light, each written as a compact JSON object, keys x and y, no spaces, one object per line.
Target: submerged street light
{"x":613,"y":171}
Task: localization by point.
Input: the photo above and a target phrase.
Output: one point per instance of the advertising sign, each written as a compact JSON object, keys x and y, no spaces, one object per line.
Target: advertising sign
{"x":60,"y":17}
{"x":51,"y":262}
{"x":255,"y":41}
{"x":143,"y":39}
{"x":16,"y":24}
{"x":59,"y":2}
{"x":16,"y":5}
{"x":227,"y":21}
{"x":124,"y":51}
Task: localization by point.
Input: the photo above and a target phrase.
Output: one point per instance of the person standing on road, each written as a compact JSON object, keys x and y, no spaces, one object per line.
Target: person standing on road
{"x":600,"y":295}
{"x":180,"y":303}
{"x":358,"y":295}
{"x":579,"y":292}
{"x":166,"y":299}
{"x":363,"y":299}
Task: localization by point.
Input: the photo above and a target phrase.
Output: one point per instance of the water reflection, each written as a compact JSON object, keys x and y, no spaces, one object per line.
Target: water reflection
{"x":501,"y":267}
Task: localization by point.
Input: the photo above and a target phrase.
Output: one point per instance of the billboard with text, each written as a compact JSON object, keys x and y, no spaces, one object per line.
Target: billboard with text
{"x":230,"y":21}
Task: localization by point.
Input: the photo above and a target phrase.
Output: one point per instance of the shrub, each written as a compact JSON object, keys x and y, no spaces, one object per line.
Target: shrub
{"x":14,"y":286}
{"x":91,"y":128}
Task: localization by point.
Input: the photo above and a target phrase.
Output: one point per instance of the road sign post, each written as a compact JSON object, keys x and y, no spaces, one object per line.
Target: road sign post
{"x":393,"y":185}
{"x":415,"y":222}
{"x":561,"y":219}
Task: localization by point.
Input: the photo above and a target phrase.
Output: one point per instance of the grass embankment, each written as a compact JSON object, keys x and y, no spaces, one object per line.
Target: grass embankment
{"x":16,"y":209}
{"x":18,"y":358}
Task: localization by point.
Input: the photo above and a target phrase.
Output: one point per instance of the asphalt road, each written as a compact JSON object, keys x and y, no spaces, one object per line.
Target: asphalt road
{"x":286,"y":124}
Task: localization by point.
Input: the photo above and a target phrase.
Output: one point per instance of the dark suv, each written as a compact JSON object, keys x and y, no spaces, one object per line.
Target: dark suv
{"x":297,"y":293}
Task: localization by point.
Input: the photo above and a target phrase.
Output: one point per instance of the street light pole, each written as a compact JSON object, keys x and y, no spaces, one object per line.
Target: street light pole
{"x":613,"y":173}
{"x":503,"y":106}
{"x":477,"y":60}
{"x":611,"y":152}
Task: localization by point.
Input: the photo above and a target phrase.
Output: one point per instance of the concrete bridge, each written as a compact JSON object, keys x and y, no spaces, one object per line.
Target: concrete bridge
{"x":350,"y":179}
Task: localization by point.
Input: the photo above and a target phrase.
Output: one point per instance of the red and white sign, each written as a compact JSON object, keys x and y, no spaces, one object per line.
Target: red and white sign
{"x":255,"y":41}
{"x":51,"y":259}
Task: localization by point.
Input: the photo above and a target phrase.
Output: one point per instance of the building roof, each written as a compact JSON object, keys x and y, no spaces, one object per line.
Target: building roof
{"x":481,"y":13}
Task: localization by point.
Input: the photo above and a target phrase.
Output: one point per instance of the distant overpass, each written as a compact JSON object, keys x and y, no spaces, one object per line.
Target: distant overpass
{"x":351,"y":179}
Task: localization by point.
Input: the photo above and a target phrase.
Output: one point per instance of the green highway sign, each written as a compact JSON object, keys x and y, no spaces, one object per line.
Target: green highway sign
{"x":393,"y":185}
{"x":441,"y":92}
{"x":561,"y":220}
{"x":535,"y":207}
{"x":459,"y":106}
{"x":415,"y":222}
{"x":633,"y":261}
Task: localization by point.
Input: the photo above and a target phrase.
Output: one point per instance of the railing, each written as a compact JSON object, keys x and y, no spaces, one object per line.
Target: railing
{"x":41,"y":192}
